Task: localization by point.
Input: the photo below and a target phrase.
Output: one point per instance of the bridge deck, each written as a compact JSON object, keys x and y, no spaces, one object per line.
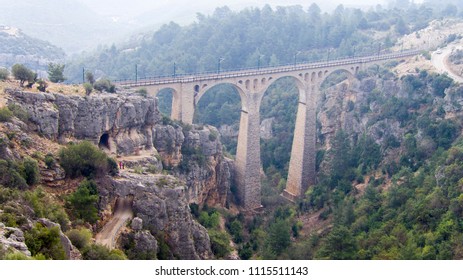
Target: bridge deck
{"x":189,"y":78}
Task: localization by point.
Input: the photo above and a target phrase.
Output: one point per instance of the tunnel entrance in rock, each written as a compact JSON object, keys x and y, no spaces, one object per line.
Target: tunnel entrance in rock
{"x":123,"y":204}
{"x":104,"y":141}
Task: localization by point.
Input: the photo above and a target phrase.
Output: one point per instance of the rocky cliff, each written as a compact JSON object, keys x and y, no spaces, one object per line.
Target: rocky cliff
{"x":161,"y":207}
{"x":131,"y":128}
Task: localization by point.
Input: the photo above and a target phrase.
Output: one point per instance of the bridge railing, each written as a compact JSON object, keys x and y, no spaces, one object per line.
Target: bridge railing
{"x":187,"y":78}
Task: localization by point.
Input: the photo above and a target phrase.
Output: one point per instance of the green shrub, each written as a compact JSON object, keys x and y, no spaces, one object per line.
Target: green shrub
{"x":209,"y":220}
{"x":104,"y":85}
{"x":81,"y":238}
{"x":44,"y":207}
{"x":10,"y":176}
{"x":220,"y":243}
{"x":49,"y":161}
{"x":19,"y":112}
{"x":42,"y":85}
{"x":99,"y":252}
{"x":4,"y":73}
{"x":113,"y":169}
{"x":30,"y":171}
{"x":88,"y":88}
{"x":83,"y":202}
{"x":42,"y":240}
{"x":5,"y":114}
{"x":83,"y":159}
{"x":142,"y":92}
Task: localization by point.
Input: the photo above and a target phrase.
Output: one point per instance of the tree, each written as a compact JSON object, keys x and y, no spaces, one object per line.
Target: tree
{"x":83,"y":159}
{"x":340,"y":245}
{"x":23,"y":74}
{"x":55,"y":72}
{"x":90,"y":78}
{"x":279,"y":237}
{"x":83,"y":202}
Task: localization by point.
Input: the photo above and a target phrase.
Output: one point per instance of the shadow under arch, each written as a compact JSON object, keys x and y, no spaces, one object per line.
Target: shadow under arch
{"x":278,"y":111}
{"x":220,"y":105}
{"x":166,"y":100}
{"x":202,"y":89}
{"x":331,"y":78}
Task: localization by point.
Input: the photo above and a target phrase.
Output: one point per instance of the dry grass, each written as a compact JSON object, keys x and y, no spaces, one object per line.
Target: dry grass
{"x":52,"y":87}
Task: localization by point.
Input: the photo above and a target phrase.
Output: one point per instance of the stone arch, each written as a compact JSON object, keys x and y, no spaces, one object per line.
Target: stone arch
{"x":238,"y":88}
{"x":299,"y":84}
{"x":350,"y":73}
{"x":176,"y":99}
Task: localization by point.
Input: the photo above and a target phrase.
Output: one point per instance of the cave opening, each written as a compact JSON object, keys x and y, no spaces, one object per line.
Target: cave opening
{"x":104,"y":141}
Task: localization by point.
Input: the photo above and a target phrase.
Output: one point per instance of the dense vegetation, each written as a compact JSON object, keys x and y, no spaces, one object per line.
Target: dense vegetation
{"x":253,"y":37}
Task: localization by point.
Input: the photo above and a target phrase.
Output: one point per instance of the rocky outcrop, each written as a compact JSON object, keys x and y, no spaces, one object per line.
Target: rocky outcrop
{"x":72,"y":253}
{"x":122,"y":124}
{"x":206,"y":171}
{"x":161,"y":202}
{"x":13,"y":239}
{"x":266,"y":128}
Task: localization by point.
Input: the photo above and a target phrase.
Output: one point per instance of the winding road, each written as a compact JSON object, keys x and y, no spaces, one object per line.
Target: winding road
{"x":440,"y":61}
{"x":107,"y":236}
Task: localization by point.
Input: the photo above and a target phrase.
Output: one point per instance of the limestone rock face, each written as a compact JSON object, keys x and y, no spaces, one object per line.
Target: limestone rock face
{"x":123,"y":124}
{"x":137,"y":224}
{"x":161,"y":202}
{"x":13,"y":238}
{"x":168,"y":142}
{"x":205,"y":170}
{"x":266,"y":131}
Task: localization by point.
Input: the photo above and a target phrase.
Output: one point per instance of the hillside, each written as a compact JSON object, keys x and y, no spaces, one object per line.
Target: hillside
{"x":81,"y":171}
{"x":17,"y":47}
{"x":67,"y":24}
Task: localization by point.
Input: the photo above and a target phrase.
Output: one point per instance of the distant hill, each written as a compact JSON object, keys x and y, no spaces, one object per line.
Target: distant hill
{"x":65,"y":23}
{"x":17,"y":47}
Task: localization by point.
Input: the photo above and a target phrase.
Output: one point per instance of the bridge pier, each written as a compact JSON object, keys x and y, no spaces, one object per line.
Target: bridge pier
{"x":247,"y":162}
{"x":301,"y":173}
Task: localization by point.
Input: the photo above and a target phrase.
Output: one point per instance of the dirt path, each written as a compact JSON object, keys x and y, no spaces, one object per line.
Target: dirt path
{"x":107,"y":236}
{"x":440,"y":61}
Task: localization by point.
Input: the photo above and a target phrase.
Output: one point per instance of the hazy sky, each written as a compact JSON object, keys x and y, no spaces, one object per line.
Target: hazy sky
{"x":135,"y":7}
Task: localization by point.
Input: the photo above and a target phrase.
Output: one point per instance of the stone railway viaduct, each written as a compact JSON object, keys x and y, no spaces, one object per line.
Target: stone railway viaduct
{"x":251,"y":86}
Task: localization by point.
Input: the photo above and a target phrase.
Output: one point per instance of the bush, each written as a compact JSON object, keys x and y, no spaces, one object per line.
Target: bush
{"x":5,"y":114}
{"x":88,"y":88}
{"x":83,"y":159}
{"x":113,"y":169}
{"x":80,"y":238}
{"x":18,"y":112}
{"x":49,"y":161}
{"x":104,"y":85}
{"x":99,"y":252}
{"x":30,"y":171}
{"x":44,"y":207}
{"x":83,"y":202}
{"x":220,"y":243}
{"x":10,"y":176}
{"x":42,"y":240}
{"x":42,"y":85}
{"x":4,"y":73}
